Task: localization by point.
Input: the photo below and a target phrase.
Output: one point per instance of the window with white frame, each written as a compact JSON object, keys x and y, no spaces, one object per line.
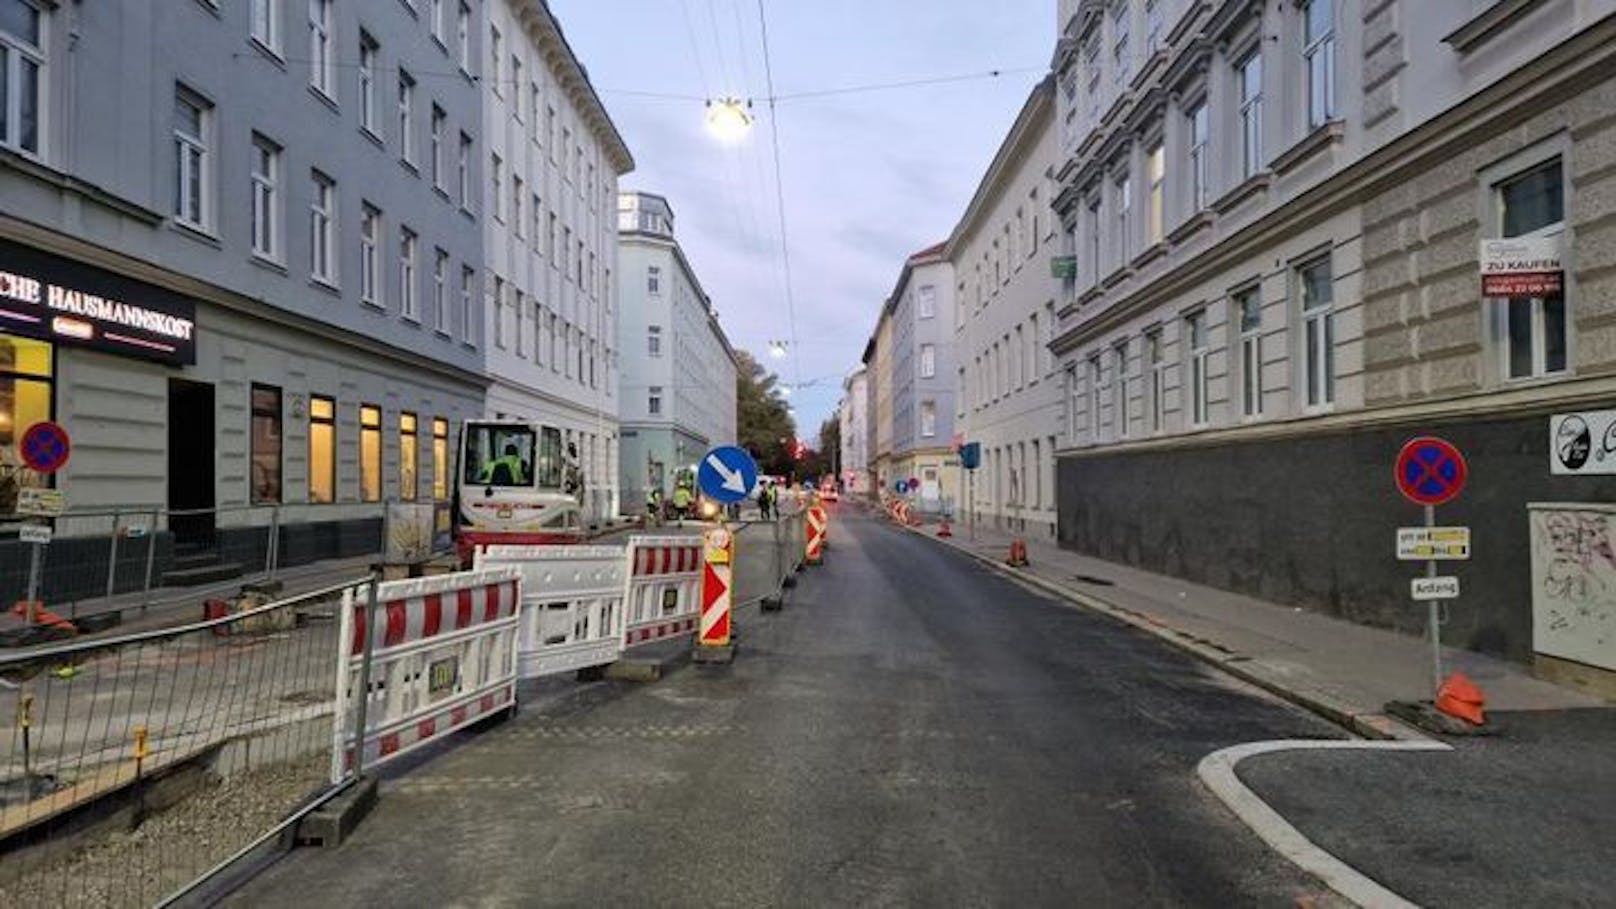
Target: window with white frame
{"x":1195,"y":343}
{"x":408,"y":250}
{"x":439,"y":120}
{"x":1156,"y":377}
{"x":519,"y":312}
{"x":1091,"y":70}
{"x":368,"y":54}
{"x":518,"y":195}
{"x":535,"y":97}
{"x":406,"y":117}
{"x":550,"y":336}
{"x":463,"y":35}
{"x":538,"y":333}
{"x":1318,"y":331}
{"x":496,"y":179}
{"x":1124,"y":209}
{"x":653,"y":401}
{"x":928,"y":361}
{"x":322,"y":51}
{"x":1199,"y":124}
{"x":928,"y":418}
{"x":1248,"y":73}
{"x":1121,"y":59}
{"x":498,"y":293}
{"x":434,"y":19}
{"x":440,"y":291}
{"x":1318,"y":51}
{"x":1119,"y":388}
{"x":516,"y":88}
{"x":1153,"y":26}
{"x":653,"y":279}
{"x":265,"y":170}
{"x":264,"y":23}
{"x":463,"y":169}
{"x":192,"y":165}
{"x":22,"y":65}
{"x":1034,"y":358}
{"x":653,"y":340}
{"x":1097,"y":392}
{"x":1532,"y":330}
{"x":1018,"y":359}
{"x":496,"y":50}
{"x":1156,"y":174}
{"x":370,"y":231}
{"x":322,"y":228}
{"x":468,"y":304}
{"x":926,"y":301}
{"x":1247,"y":306}
{"x":1095,"y":234}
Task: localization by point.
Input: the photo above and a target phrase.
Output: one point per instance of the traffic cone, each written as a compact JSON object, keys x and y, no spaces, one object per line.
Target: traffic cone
{"x":1018,"y":553}
{"x":1462,"y":698}
{"x":944,"y":530}
{"x":43,"y":616}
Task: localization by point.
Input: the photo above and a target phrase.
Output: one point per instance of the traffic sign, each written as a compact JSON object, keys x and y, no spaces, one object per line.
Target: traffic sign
{"x":727,"y":474}
{"x":1430,"y":470}
{"x":1443,"y":588}
{"x":1417,"y":544}
{"x":38,"y":534}
{"x":718,"y":547}
{"x":38,"y":502}
{"x":45,"y":446}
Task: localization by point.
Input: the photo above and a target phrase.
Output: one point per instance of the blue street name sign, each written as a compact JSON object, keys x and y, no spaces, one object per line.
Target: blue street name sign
{"x":727,"y":474}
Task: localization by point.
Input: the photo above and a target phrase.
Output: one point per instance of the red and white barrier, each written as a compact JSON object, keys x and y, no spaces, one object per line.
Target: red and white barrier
{"x":572,"y":605}
{"x":444,"y":656}
{"x":663,"y":589}
{"x":817,"y":525}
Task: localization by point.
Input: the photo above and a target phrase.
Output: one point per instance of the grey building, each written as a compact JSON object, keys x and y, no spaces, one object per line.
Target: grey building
{"x":852,"y":415}
{"x":914,"y":366}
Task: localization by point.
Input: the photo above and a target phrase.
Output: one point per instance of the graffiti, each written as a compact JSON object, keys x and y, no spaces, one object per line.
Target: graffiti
{"x":1574,"y":580}
{"x":1579,"y":556}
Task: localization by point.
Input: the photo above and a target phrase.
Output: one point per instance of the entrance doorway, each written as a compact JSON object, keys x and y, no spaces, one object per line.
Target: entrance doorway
{"x":190,"y":461}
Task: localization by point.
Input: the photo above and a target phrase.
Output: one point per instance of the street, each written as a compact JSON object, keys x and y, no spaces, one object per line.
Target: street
{"x":911,"y":730}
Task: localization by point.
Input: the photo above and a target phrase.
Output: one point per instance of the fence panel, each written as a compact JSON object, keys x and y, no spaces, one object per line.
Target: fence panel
{"x":663,"y":591}
{"x":572,"y":604}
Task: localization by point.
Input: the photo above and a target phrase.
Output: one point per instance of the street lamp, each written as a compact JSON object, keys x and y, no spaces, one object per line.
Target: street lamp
{"x":728,"y":119}
{"x":777,"y":349}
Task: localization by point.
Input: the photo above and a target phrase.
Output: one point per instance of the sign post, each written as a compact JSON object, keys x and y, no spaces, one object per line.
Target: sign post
{"x":970,"y":459}
{"x":1429,"y":472}
{"x":44,"y":447}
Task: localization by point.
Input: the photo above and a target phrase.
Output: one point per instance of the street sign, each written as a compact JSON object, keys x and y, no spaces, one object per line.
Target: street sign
{"x":45,"y":447}
{"x":1443,"y":588}
{"x":1063,"y":266}
{"x":1430,"y":470}
{"x":40,"y":503}
{"x":34,"y":533}
{"x":1583,"y":443}
{"x":971,"y":455}
{"x":1415,"y":544}
{"x":718,"y":547}
{"x":727,"y":474}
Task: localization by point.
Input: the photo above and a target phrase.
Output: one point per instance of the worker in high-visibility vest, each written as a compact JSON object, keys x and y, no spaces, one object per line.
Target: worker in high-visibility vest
{"x":512,"y":460}
{"x":682,"y":498}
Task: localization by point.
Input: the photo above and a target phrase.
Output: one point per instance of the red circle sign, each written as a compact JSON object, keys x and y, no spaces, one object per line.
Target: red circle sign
{"x":1430,"y":470}
{"x":45,"y":447}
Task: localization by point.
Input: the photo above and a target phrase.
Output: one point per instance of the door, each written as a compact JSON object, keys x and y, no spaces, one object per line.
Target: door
{"x":190,"y":461}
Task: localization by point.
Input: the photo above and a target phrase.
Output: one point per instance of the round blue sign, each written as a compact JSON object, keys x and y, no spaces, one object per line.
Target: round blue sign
{"x":727,"y":474}
{"x":45,"y":447}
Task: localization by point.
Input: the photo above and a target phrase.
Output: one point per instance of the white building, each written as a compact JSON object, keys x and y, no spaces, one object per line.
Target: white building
{"x":678,"y":368}
{"x":1008,"y":395}
{"x":552,"y":159}
{"x":853,"y":414}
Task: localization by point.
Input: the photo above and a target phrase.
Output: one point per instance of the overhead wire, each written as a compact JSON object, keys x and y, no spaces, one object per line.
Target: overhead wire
{"x":779,"y":194}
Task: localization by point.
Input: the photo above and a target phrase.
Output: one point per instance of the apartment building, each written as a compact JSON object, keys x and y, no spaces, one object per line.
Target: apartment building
{"x":551,"y":165}
{"x":1007,"y":394}
{"x":1276,"y":211}
{"x":853,"y":417}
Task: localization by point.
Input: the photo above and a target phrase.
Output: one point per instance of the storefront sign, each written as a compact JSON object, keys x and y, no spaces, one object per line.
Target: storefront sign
{"x":1583,"y":443}
{"x":1521,"y":267}
{"x":55,"y":299}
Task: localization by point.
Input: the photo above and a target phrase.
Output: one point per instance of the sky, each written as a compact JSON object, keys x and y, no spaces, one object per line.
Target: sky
{"x":867,"y":177}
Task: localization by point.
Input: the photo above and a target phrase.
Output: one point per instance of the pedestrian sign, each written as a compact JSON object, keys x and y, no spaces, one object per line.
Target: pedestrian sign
{"x":727,"y":474}
{"x":1430,"y":470}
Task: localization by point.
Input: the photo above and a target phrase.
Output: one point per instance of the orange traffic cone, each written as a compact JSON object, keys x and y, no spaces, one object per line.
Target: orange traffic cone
{"x":42,"y":616}
{"x":1462,"y":698}
{"x":1018,"y":553}
{"x":944,"y":530}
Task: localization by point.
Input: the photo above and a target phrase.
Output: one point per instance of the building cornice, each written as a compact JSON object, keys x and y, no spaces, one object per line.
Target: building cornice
{"x":1030,"y":127}
{"x":544,"y":31}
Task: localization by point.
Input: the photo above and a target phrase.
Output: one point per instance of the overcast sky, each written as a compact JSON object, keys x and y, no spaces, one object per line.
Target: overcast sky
{"x":868,"y":177}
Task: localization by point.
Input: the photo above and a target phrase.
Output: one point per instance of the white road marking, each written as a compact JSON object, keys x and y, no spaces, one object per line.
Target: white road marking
{"x":1217,"y":772}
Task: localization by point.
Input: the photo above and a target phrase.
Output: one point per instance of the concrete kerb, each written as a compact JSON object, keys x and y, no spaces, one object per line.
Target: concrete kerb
{"x":1369,"y":724}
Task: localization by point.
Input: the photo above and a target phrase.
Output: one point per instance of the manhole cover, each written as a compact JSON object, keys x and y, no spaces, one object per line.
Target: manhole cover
{"x":1091,"y":579}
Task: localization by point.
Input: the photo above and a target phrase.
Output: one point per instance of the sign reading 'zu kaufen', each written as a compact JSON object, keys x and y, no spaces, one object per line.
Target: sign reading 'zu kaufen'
{"x":1522,"y":267}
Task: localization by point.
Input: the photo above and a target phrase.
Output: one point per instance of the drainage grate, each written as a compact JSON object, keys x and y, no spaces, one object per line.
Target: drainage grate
{"x":1091,"y":579}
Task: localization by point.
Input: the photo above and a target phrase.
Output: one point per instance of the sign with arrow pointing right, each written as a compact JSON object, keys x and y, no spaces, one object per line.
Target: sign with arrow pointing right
{"x":727,"y":474}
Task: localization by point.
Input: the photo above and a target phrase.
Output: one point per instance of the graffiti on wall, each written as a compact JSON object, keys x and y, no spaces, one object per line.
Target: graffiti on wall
{"x":1574,"y":582}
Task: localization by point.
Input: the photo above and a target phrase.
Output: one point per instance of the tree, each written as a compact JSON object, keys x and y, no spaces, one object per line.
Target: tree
{"x":821,"y":462}
{"x":764,"y":425}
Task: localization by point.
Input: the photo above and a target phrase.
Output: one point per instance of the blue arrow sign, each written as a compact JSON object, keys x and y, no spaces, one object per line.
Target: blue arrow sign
{"x":727,"y":474}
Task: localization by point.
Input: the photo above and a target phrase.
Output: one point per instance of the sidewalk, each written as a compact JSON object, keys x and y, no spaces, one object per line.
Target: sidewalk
{"x":1337,"y":668}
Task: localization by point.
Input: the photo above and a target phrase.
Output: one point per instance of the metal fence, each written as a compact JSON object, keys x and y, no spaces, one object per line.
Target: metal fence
{"x":768,"y":554}
{"x":135,"y":765}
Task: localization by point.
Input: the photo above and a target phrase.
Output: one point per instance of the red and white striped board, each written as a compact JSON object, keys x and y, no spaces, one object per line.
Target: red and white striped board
{"x":663,"y":586}
{"x":816,"y":534}
{"x":572,"y":605}
{"x":443,"y":656}
{"x":717,"y":588}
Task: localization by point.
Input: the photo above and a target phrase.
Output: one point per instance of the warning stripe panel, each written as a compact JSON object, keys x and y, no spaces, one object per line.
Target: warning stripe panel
{"x":420,"y":618}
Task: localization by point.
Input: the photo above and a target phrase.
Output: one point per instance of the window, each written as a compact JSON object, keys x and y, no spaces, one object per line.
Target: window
{"x":370,"y":453}
{"x":516,"y":88}
{"x":434,"y":19}
{"x":266,"y":444}
{"x":1248,"y":308}
{"x":436,"y":151}
{"x":537,"y":209}
{"x":928,"y":361}
{"x":192,"y":169}
{"x":555,"y":231}
{"x":25,"y":399}
{"x":1121,"y":64}
{"x":463,"y":166}
{"x":463,"y":35}
{"x":928,"y":418}
{"x":440,"y":459}
{"x":653,"y":341}
{"x":265,"y":170}
{"x":406,"y":117}
{"x":468,"y":303}
{"x":409,"y":457}
{"x":550,"y":131}
{"x":1249,"y":71}
{"x":22,"y":59}
{"x":1195,"y":341}
{"x":370,"y":232}
{"x":1318,"y":40}
{"x":497,"y":179}
{"x":1119,"y":404}
{"x":550,"y":336}
{"x":538,"y":333}
{"x":1034,"y":359}
{"x":653,"y":402}
{"x":1096,"y":395}
{"x":322,"y":449}
{"x":1533,"y":329}
{"x":408,"y":247}
{"x":322,"y":228}
{"x":926,"y":301}
{"x":1318,"y":332}
{"x":535,"y":103}
{"x":1198,"y":124}
{"x":517,"y":195}
{"x":1153,"y":30}
{"x":1091,"y":66}
{"x":367,"y":83}
{"x":1156,"y":393}
{"x":1124,"y":220}
{"x":1156,"y":173}
{"x":1095,"y":234}
{"x":499,"y":312}
{"x":440,"y":292}
{"x":265,"y":23}
{"x":518,"y":312}
{"x":321,"y":51}
{"x":495,"y":51}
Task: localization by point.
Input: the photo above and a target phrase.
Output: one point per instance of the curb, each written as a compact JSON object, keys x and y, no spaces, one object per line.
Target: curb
{"x":1366,"y":723}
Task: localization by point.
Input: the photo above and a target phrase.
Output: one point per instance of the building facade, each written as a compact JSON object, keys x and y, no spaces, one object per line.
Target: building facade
{"x":1007,"y":395}
{"x":551,"y":167}
{"x":919,"y":360}
{"x":878,"y":367}
{"x":678,"y":368}
{"x":233,"y":263}
{"x":853,"y":417}
{"x":1276,"y":210}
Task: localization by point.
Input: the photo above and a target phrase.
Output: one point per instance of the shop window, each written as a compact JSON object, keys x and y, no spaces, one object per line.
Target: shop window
{"x":370,"y":453}
{"x":25,"y":399}
{"x":322,"y":449}
{"x":440,"y":459}
{"x":409,"y":457}
{"x":266,"y":444}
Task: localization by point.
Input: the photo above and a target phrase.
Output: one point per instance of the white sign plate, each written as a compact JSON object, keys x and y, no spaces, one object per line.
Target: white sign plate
{"x":1444,"y":588}
{"x":1521,"y":267}
{"x":1583,"y":443}
{"x":40,"y":503}
{"x":1417,"y":544}
{"x":34,"y":533}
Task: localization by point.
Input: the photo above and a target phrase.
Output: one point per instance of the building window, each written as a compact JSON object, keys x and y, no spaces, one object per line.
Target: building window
{"x":436,"y":151}
{"x":1124,"y":220}
{"x":408,"y":247}
{"x":406,"y":117}
{"x":468,"y":303}
{"x":1318,"y":332}
{"x":1533,"y":329}
{"x":928,"y":418}
{"x":1318,"y":39}
{"x":193,"y":168}
{"x":440,"y":459}
{"x":434,"y":16}
{"x":1199,"y":127}
{"x":519,"y":312}
{"x":517,"y":195}
{"x":266,"y":444}
{"x":409,"y":456}
{"x":497,"y":179}
{"x":653,"y":341}
{"x":516,"y":88}
{"x":538,"y":333}
{"x":553,"y":339}
{"x":926,"y":301}
{"x":499,"y":312}
{"x":653,"y":402}
{"x":265,"y":23}
{"x":463,"y":165}
{"x":322,"y":449}
{"x":653,"y":280}
{"x":1096,"y":395}
{"x":1153,"y":30}
{"x":1248,"y":308}
{"x":1095,"y":235}
{"x":463,"y":35}
{"x":1156,"y":173}
{"x":321,"y":52}
{"x":440,"y":292}
{"x":1249,"y":71}
{"x":22,"y":60}
{"x":1195,"y":341}
{"x":370,"y":232}
{"x":928,"y":361}
{"x":368,"y":52}
{"x":370,"y":453}
{"x":495,"y":50}
{"x":265,"y":169}
{"x":1091,"y":67}
{"x":1119,"y":406}
{"x":1121,"y":64}
{"x":322,"y":228}
{"x":1156,"y":393}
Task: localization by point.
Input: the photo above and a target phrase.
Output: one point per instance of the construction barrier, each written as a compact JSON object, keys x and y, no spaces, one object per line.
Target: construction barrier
{"x":572,"y":604}
{"x":817,"y":522}
{"x":441,"y":655}
{"x":664,"y":584}
{"x":718,"y":576}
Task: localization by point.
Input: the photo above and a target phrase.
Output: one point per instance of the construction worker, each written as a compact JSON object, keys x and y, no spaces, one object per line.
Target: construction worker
{"x":682,"y":499}
{"x":653,"y":504}
{"x":511,"y":460}
{"x":765,"y":498}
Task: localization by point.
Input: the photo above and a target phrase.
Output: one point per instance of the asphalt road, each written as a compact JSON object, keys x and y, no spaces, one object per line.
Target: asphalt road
{"x":913,"y":729}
